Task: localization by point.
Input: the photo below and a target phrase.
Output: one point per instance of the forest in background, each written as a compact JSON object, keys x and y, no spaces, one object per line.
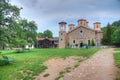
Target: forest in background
{"x":111,"y":34}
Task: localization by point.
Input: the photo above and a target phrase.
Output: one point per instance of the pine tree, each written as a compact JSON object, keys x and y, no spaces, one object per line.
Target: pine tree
{"x":92,"y":43}
{"x":108,"y":35}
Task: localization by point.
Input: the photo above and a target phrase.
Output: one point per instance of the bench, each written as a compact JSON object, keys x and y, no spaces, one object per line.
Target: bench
{"x":7,"y":59}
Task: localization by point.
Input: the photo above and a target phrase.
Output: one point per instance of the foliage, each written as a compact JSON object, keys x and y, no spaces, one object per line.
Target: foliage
{"x":76,"y":45}
{"x":41,"y":35}
{"x":89,"y":43}
{"x":116,"y":36}
{"x":117,"y":59}
{"x":92,"y":43}
{"x":111,"y":33}
{"x":15,"y":31}
{"x":30,"y":64}
{"x":3,"y":62}
{"x":107,"y":35}
{"x":116,"y":23}
{"x":48,"y":34}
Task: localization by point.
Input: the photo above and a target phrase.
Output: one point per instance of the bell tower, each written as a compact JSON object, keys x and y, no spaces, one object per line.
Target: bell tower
{"x":98,"y":33}
{"x":97,"y":26}
{"x":62,"y":34}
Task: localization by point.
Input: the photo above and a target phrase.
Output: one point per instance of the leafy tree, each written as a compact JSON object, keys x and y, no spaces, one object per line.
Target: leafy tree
{"x":30,"y":29}
{"x":41,"y":35}
{"x":116,"y":36}
{"x":3,"y":37}
{"x":107,"y":40}
{"x":15,"y":32}
{"x":116,"y":23}
{"x":7,"y":14}
{"x":48,"y":34}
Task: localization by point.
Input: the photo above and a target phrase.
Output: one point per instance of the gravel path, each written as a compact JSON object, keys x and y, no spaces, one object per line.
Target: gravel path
{"x":99,"y":67}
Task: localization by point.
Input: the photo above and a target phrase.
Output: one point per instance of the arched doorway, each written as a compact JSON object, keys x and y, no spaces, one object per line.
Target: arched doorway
{"x":81,"y":44}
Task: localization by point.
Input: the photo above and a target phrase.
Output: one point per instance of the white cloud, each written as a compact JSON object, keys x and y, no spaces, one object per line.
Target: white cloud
{"x":47,"y":12}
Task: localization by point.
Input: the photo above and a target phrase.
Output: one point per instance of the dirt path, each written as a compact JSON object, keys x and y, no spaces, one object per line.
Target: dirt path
{"x":99,"y":67}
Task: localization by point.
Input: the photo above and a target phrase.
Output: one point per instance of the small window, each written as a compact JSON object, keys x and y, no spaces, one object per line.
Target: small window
{"x":61,"y":34}
{"x":81,"y":34}
{"x":97,"y":26}
{"x":74,"y":41}
{"x":61,"y":39}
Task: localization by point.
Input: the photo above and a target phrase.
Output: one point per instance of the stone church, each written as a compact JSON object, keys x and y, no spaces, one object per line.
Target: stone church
{"x":80,"y":34}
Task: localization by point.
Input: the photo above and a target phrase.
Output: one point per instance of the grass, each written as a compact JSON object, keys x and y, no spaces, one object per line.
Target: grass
{"x":46,"y":75}
{"x":117,"y":60}
{"x":27,"y":65}
{"x":117,"y":79}
{"x":117,"y":49}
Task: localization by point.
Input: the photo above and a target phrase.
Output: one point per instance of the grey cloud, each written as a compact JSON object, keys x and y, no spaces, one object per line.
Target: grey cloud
{"x":43,"y":11}
{"x":63,"y":6}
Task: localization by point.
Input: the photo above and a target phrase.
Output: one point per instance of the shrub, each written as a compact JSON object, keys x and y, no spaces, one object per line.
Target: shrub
{"x":3,"y":62}
{"x":19,"y":51}
{"x":89,"y":43}
{"x":92,"y":43}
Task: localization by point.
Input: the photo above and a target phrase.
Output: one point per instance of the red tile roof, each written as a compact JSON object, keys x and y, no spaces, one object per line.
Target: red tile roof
{"x":51,"y":39}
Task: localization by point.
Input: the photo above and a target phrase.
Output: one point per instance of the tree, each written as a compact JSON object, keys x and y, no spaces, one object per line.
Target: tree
{"x":3,"y":38}
{"x":15,"y":32}
{"x":108,"y":34}
{"x":48,"y":34}
{"x":92,"y":43}
{"x":41,"y":35}
{"x":30,"y":30}
{"x":116,"y":36}
{"x":89,"y":43}
{"x":116,"y":23}
{"x":7,"y":14}
{"x":107,"y":39}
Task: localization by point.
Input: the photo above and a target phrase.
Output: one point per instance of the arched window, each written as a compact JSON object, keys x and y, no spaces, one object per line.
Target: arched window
{"x":74,"y":41}
{"x":81,"y":34}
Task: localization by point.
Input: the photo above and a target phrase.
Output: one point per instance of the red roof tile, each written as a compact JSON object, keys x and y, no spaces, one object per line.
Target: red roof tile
{"x":51,"y":39}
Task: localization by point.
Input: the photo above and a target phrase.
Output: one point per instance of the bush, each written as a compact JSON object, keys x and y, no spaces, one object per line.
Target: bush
{"x":19,"y":51}
{"x":3,"y":62}
{"x":92,"y":43}
{"x":22,"y":51}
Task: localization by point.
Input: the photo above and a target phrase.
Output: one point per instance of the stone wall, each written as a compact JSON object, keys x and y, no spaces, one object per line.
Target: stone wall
{"x":88,"y":34}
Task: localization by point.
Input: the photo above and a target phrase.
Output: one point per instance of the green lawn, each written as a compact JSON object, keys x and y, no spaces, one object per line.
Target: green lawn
{"x":117,"y":49}
{"x":117,"y":59}
{"x":27,"y":65}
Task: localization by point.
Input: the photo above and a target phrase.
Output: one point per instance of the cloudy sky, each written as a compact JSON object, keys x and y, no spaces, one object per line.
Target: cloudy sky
{"x":48,"y":13}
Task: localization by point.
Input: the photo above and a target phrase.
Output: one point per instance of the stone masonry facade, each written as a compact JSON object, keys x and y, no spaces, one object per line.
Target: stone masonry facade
{"x":80,"y":34}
